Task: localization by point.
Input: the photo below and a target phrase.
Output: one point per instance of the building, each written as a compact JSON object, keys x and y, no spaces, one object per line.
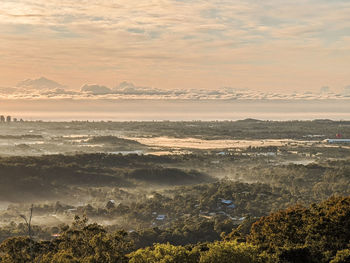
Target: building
{"x":226,"y":202}
{"x":160,"y":217}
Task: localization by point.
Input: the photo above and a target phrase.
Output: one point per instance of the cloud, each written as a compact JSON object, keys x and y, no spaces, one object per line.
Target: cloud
{"x":324,"y":89}
{"x":128,"y":88}
{"x":124,"y":89}
{"x":7,"y":90}
{"x":41,"y":84}
{"x":347,"y":90}
{"x":95,"y":89}
{"x":132,"y":92}
{"x":178,"y":43}
{"x":58,"y":92}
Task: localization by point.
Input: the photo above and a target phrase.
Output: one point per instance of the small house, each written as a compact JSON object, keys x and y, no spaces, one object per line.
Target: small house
{"x":226,"y":202}
{"x":160,"y":217}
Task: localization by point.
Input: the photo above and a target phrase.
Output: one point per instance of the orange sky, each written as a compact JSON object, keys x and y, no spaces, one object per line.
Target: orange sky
{"x":269,"y":46}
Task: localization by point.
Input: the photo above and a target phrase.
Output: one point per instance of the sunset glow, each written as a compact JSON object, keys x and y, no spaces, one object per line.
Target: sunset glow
{"x":268,"y":46}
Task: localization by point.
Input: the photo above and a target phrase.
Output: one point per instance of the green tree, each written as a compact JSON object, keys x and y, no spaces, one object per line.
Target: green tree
{"x":17,"y":250}
{"x":342,"y":256}
{"x":164,"y":253}
{"x":231,"y":252}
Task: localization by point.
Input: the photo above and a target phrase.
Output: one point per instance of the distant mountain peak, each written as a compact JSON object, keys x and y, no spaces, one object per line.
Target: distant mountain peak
{"x":40,"y":83}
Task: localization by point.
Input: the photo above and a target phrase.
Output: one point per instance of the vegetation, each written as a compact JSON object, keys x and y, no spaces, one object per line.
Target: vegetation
{"x":53,"y":176}
{"x":242,"y":129}
{"x":317,"y":233}
{"x":252,"y":204}
{"x":78,"y":243}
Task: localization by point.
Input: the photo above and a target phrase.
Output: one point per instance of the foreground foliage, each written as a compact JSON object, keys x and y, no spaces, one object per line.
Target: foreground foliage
{"x":78,"y":243}
{"x":318,"y":233}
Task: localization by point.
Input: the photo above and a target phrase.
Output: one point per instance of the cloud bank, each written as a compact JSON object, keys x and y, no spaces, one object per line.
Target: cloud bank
{"x":95,"y":89}
{"x":47,"y":89}
{"x":40,"y":84}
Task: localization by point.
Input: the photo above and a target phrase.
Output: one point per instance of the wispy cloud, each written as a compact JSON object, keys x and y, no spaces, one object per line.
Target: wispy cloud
{"x":172,"y":44}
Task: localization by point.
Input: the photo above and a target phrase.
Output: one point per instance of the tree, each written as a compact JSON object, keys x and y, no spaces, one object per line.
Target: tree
{"x":342,"y":256}
{"x":28,"y":222}
{"x":316,"y":233}
{"x":164,"y":253}
{"x":231,"y":252}
{"x":17,"y":250}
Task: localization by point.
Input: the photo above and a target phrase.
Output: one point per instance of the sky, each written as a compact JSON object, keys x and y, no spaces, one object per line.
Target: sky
{"x":269,"y":46}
